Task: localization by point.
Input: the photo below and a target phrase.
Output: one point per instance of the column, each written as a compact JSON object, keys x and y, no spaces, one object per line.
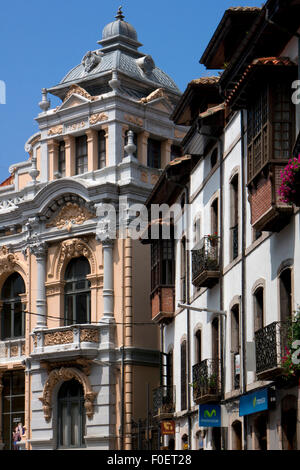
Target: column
{"x":108,"y":279}
{"x":39,"y":250}
{"x":165,"y":152}
{"x":92,"y":147}
{"x":70,"y":155}
{"x":53,"y":158}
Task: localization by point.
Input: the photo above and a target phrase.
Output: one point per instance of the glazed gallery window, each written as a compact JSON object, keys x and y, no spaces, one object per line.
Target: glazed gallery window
{"x":77,"y":292}
{"x":81,"y":155}
{"x":162,"y":263}
{"x":154,"y":153}
{"x":71,"y":415}
{"x":270,"y":126}
{"x":13,"y":404}
{"x":12,"y":317}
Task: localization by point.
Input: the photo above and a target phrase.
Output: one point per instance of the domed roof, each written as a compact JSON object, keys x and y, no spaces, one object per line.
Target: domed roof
{"x":119,"y":28}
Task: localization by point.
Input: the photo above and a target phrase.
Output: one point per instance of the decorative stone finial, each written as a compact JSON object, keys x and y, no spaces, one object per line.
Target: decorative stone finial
{"x":120,"y":15}
{"x":45,"y":103}
{"x":114,"y":83}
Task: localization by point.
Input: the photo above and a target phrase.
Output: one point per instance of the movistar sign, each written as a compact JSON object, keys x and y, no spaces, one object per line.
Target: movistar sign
{"x":210,"y":416}
{"x":254,"y":402}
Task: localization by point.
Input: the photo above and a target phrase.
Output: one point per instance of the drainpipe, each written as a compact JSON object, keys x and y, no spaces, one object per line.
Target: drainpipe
{"x":221,"y":281}
{"x":187,"y":290}
{"x":243,"y":287}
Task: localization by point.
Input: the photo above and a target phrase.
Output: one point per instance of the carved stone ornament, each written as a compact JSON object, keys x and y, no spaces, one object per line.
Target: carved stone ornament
{"x":56,"y":130}
{"x":159,"y":93}
{"x":100,"y":117}
{"x":134,"y":120}
{"x":58,"y":337}
{"x":79,"y":91}
{"x":74,"y":248}
{"x":70,"y":214}
{"x":62,"y":375}
{"x":7,"y":260}
{"x":88,"y":335}
{"x":90,"y":61}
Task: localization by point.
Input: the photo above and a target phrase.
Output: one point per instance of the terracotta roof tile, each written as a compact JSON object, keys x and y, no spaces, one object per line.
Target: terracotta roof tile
{"x":261,"y":61}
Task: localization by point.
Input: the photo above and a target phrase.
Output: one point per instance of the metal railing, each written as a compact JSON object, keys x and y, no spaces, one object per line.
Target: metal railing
{"x":164,"y":400}
{"x":207,"y":379}
{"x":206,"y":256}
{"x":272,"y":344}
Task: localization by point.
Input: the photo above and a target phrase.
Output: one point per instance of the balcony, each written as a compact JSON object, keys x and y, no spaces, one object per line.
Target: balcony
{"x":207,"y":381}
{"x":206,"y":262}
{"x":268,"y":213}
{"x":67,"y":341}
{"x":163,"y":304}
{"x":164,"y":402}
{"x":271,"y":344}
{"x":12,"y":350}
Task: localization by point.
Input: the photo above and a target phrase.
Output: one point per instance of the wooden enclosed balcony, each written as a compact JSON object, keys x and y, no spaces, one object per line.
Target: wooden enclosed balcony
{"x":163,"y":304}
{"x":207,"y":381}
{"x":272,"y":345}
{"x":268,"y":212}
{"x":164,"y":402}
{"x":206,"y":262}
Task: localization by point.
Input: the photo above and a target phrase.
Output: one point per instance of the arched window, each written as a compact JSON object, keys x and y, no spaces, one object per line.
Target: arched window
{"x":234,"y":216}
{"x":183,"y":376}
{"x":235,"y":346}
{"x":77,"y":292}
{"x":258,"y":309}
{"x":12,"y":324}
{"x":285,"y":286}
{"x":71,"y":415}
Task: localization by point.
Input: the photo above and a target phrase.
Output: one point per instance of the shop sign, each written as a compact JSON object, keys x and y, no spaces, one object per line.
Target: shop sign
{"x":254,"y":402}
{"x":167,"y":428}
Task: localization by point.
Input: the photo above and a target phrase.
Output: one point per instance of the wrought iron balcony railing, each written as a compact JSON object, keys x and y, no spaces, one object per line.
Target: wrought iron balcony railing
{"x":164,"y":400}
{"x":271,"y":346}
{"x":206,"y":262}
{"x":207,"y":381}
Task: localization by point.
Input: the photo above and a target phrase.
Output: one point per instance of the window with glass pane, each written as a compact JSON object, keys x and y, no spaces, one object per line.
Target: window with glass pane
{"x":270,"y":127}
{"x":81,"y":155}
{"x":12,"y":318}
{"x":77,"y":292}
{"x":13,"y":396}
{"x":154,"y":153}
{"x":135,"y":141}
{"x":162,"y":263}
{"x":183,"y":377}
{"x":62,"y":159}
{"x":101,"y":150}
{"x":71,"y":415}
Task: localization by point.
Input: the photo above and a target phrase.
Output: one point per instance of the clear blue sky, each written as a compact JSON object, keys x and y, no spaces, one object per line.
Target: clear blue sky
{"x":41,"y":41}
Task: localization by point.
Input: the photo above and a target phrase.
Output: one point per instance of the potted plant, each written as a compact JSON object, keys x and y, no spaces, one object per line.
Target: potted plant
{"x":289,"y":190}
{"x":289,"y":365}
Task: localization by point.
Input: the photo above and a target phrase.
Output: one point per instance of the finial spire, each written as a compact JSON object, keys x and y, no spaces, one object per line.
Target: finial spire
{"x":120,"y":15}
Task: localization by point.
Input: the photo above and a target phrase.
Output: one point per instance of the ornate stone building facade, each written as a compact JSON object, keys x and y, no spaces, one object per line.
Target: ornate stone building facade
{"x":77,"y":354}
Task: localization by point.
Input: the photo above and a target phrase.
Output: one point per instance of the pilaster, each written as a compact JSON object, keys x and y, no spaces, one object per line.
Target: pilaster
{"x":53,"y":158}
{"x":92,"y":145}
{"x":70,"y":155}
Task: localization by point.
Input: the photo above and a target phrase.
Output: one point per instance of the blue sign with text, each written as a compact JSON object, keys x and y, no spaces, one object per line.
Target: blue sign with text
{"x":254,"y":402}
{"x":210,"y":416}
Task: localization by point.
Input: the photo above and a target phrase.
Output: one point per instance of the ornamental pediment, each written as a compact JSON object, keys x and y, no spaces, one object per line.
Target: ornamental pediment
{"x":76,"y":96}
{"x":71,"y":214}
